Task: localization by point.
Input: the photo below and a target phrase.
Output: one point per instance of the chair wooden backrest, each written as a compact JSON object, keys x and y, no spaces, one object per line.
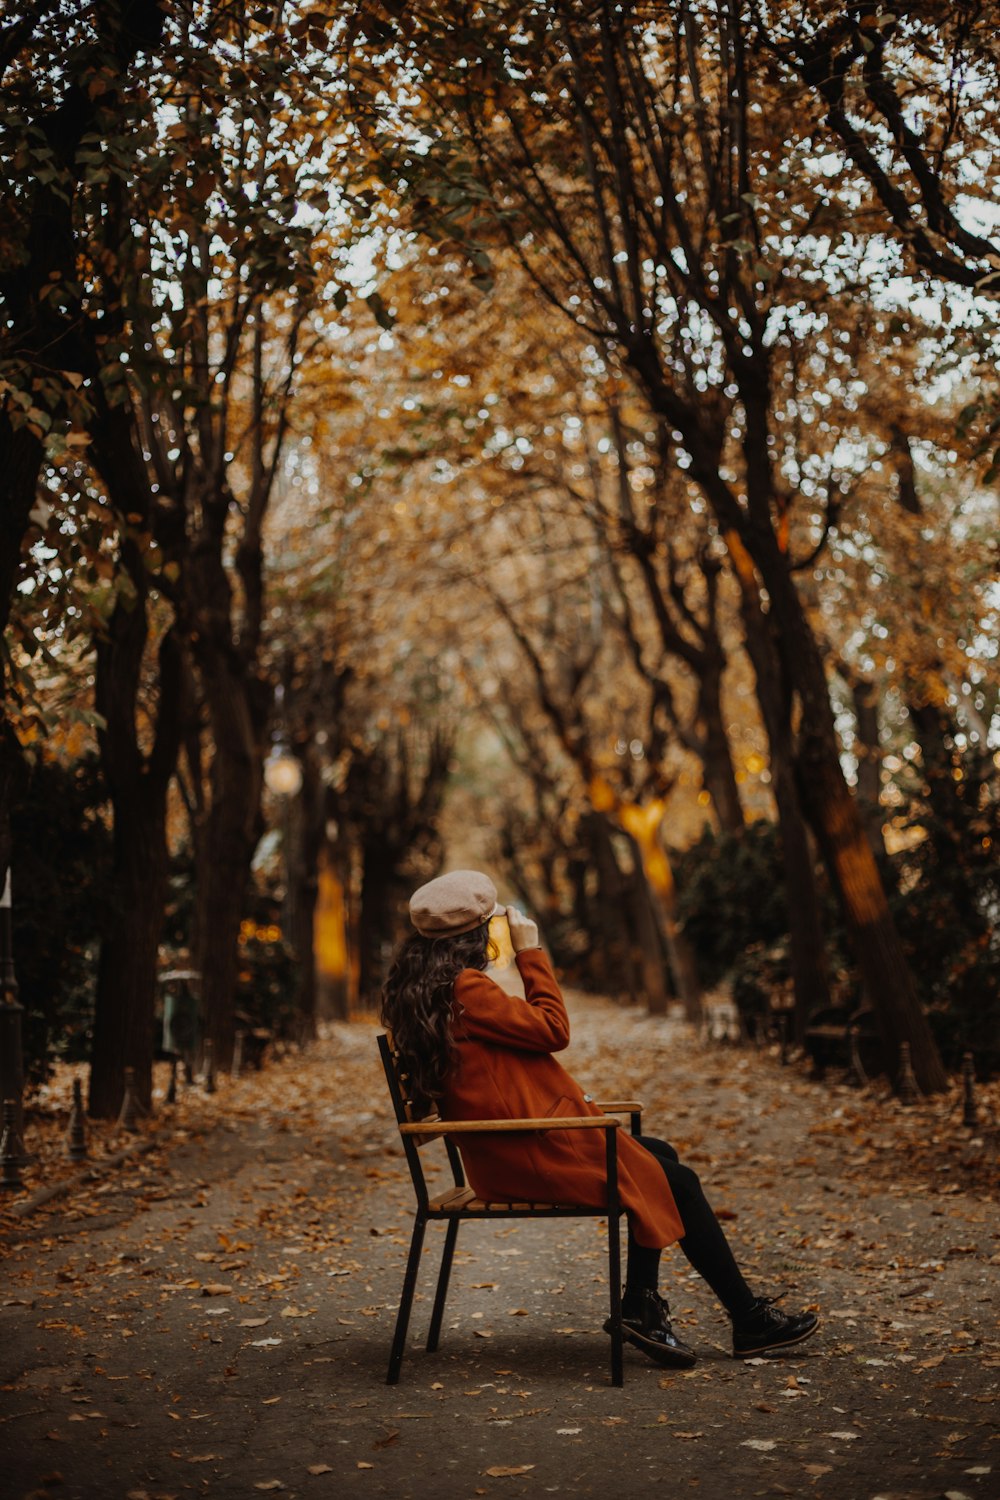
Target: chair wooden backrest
{"x":460,"y":1202}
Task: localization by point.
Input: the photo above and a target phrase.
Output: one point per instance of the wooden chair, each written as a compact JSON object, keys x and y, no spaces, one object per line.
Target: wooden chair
{"x":460,"y":1202}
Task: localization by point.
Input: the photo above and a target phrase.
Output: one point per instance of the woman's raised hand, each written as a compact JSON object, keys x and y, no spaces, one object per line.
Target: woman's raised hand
{"x":523,"y":931}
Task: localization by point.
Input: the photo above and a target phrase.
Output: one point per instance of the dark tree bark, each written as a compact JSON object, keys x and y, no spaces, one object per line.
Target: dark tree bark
{"x":138,"y":783}
{"x":237,"y":705}
{"x":833,"y":814}
{"x":380,"y":926}
{"x":394,"y":810}
{"x":716,"y":757}
{"x":138,"y":780}
{"x":607,"y":917}
{"x":36,"y":330}
{"x":807,"y":948}
{"x":305,"y":828}
{"x":650,"y":959}
{"x":868,"y":752}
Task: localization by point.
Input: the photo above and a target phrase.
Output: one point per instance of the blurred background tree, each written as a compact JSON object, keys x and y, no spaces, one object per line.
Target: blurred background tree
{"x":576,"y":461}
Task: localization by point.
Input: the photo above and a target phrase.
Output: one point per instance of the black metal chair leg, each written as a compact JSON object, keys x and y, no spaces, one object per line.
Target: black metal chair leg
{"x":406,"y":1299}
{"x":614,"y":1263}
{"x":615,"y":1277}
{"x":434,"y":1332}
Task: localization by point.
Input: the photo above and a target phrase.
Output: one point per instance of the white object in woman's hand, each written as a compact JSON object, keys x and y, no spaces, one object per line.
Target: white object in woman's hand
{"x":523,"y":931}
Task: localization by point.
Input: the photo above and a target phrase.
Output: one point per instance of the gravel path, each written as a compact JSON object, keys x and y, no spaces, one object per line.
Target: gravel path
{"x":213,"y":1318}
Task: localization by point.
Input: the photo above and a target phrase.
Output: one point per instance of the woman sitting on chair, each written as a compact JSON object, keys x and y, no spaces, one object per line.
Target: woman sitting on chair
{"x":473,"y":1051}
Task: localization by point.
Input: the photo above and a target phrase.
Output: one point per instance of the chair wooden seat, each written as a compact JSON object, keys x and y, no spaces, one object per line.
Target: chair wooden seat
{"x":465,"y":1201}
{"x":461,"y":1202}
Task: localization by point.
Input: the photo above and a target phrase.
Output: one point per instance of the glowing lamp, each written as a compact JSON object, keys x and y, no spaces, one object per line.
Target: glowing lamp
{"x":282,"y":773}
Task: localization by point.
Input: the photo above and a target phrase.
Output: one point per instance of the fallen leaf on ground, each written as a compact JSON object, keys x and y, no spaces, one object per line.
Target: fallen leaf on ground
{"x":762,"y":1445}
{"x":319,"y":1469}
{"x":269,"y":1484}
{"x":363,"y":1465}
{"x":215,"y":1289}
{"x":252,"y":1322}
{"x":505,"y":1471}
{"x":844,"y":1436}
{"x":296,"y":1312}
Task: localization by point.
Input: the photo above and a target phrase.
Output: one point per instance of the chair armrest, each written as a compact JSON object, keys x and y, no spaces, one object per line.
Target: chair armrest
{"x":631,"y":1107}
{"x":484,"y":1127}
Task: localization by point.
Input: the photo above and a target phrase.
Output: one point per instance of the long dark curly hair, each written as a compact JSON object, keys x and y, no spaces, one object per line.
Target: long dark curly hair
{"x":417,"y":1001}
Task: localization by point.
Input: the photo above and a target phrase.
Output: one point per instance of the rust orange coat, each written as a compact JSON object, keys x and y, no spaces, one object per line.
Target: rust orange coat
{"x":506,"y":1070}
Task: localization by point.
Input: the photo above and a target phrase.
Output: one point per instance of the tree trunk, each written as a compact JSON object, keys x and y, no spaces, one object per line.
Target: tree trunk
{"x":225,"y":849}
{"x":948,"y":825}
{"x":609,"y":933}
{"x":306,"y":826}
{"x":650,"y":959}
{"x":717,"y":760}
{"x":683,"y":963}
{"x":20,"y":463}
{"x":807,"y":949}
{"x":868,"y":752}
{"x":126,"y":980}
{"x":644,"y":824}
{"x":377,"y":927}
{"x":126,"y":974}
{"x":834,"y":817}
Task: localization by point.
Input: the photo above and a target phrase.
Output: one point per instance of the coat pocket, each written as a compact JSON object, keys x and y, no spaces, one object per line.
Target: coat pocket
{"x":562,"y":1106}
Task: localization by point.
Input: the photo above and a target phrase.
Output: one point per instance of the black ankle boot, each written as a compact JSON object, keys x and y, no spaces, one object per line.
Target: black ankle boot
{"x":765,"y":1328}
{"x":646,"y":1324}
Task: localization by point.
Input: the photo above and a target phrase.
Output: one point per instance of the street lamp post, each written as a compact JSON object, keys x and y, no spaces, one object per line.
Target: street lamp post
{"x":11,"y":1017}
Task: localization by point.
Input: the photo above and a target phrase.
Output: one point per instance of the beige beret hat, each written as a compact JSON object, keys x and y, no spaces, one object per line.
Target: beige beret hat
{"x":453,"y":904}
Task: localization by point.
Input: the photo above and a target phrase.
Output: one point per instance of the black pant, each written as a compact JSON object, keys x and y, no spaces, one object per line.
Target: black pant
{"x":704,"y":1243}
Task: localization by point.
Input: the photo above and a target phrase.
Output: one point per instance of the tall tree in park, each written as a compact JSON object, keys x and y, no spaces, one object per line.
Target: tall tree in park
{"x":639,"y":168}
{"x":544,"y":421}
{"x":229,"y":225}
{"x":907,"y":94}
{"x":193,"y":244}
{"x":64,"y":87}
{"x":560,"y":631}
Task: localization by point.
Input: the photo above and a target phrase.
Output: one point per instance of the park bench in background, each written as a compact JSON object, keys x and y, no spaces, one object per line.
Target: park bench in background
{"x":459,"y":1202}
{"x":838,"y":1037}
